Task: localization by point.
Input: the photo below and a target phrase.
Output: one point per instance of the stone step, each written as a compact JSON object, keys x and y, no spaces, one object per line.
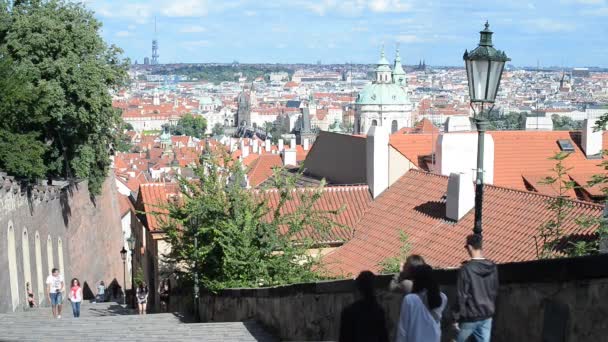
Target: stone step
{"x":110,"y":322}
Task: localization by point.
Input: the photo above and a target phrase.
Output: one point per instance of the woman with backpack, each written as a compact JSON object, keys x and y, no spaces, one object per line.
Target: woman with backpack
{"x":420,"y":319}
{"x":142,"y":297}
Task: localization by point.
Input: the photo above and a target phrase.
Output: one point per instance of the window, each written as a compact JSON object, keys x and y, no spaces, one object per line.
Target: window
{"x":374,"y":122}
{"x":394,"y":126}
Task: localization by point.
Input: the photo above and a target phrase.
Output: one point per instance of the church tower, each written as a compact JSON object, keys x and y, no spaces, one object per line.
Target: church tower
{"x":398,"y":72}
{"x":383,"y":70}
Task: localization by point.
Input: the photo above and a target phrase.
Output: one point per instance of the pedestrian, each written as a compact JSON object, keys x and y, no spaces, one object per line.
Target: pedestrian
{"x":101,"y":292}
{"x":142,"y":297}
{"x":30,"y":296}
{"x":364,"y":320}
{"x":421,"y":310}
{"x":164,"y":291}
{"x":402,"y":281}
{"x":75,"y":297}
{"x":477,"y":288}
{"x":55,"y":287}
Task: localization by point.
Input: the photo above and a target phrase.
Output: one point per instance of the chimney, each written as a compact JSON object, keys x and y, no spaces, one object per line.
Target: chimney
{"x":254,"y":146}
{"x":281,"y":147}
{"x":244,"y":150}
{"x":293,"y":144}
{"x":458,"y":123}
{"x":461,"y":196}
{"x":267,"y":145}
{"x":591,"y":141}
{"x":377,"y":160}
{"x":306,"y":144}
{"x":289,"y":157}
{"x":457,"y":153}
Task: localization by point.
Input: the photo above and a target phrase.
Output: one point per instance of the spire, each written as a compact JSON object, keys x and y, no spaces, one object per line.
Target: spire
{"x":398,"y":72}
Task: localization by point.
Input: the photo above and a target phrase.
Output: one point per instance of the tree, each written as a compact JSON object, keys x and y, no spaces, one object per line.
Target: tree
{"x":61,"y":106}
{"x":564,"y":123}
{"x":190,"y":125}
{"x":241,"y":240}
{"x":550,"y":232}
{"x":218,"y":129}
{"x":393,"y":264}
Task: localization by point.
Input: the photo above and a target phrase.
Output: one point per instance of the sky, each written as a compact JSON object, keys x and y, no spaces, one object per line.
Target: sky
{"x":549,"y":32}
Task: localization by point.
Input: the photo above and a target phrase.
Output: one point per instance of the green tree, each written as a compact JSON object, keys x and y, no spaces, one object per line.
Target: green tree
{"x":190,"y":125}
{"x":393,"y":264}
{"x":241,"y":240}
{"x":564,"y":123}
{"x":64,"y":73}
{"x":550,"y":232}
{"x":218,"y":129}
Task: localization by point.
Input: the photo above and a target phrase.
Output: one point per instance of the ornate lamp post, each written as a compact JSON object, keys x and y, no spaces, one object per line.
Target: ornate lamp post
{"x":123,"y":256}
{"x":484,"y":67}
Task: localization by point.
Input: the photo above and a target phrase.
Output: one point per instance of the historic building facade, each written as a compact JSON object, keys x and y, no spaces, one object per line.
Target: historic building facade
{"x":384,"y":102}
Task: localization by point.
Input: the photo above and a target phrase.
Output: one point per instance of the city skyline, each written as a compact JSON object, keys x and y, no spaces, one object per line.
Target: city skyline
{"x":352,"y":31}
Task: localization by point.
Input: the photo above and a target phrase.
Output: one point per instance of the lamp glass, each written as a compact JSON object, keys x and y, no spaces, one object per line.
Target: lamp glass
{"x":123,"y":253}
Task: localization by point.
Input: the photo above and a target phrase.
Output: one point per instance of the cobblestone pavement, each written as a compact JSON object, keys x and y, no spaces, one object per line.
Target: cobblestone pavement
{"x":110,"y":322}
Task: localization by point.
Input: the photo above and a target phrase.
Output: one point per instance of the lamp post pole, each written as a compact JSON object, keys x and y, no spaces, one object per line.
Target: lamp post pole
{"x":123,"y":255}
{"x":482,"y":125}
{"x":484,"y":66}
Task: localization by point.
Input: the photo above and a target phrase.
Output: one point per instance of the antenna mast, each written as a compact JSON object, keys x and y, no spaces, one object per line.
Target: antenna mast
{"x":155,"y":46}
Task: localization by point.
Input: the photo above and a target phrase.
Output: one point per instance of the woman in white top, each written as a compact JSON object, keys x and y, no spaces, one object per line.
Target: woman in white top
{"x":75,"y":296}
{"x":420,"y":319}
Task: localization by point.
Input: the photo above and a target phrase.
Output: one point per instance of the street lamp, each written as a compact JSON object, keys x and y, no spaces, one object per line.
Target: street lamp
{"x":484,"y":67}
{"x":123,"y":256}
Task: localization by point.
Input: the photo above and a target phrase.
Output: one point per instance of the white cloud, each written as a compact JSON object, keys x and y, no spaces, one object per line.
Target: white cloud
{"x":281,"y":46}
{"x":123,"y":34}
{"x":354,"y":7}
{"x":550,"y":25}
{"x":250,"y":13}
{"x":408,"y":38}
{"x":131,"y":27}
{"x":186,"y":8}
{"x":196,"y":43}
{"x":598,"y":12}
{"x":193,"y":29}
{"x":389,"y":6}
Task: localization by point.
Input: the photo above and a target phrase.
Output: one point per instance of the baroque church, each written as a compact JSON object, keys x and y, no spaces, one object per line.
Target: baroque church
{"x":384,"y":102}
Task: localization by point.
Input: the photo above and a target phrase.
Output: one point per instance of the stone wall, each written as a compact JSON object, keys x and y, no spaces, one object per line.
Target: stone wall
{"x":553,"y":300}
{"x":52,"y":226}
{"x":95,"y":236}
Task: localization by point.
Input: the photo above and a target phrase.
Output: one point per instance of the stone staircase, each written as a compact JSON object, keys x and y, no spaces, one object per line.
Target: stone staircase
{"x":111,"y":322}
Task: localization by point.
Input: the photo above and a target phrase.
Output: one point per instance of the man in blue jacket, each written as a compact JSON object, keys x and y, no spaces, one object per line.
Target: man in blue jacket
{"x":477,"y":289}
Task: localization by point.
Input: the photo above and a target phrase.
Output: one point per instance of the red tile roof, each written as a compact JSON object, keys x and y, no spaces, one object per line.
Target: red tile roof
{"x":415,"y":205}
{"x":262,"y":168}
{"x":153,"y":197}
{"x":354,"y":199}
{"x":516,"y":153}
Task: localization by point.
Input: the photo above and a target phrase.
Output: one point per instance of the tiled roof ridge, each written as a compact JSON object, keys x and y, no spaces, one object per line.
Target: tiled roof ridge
{"x":341,"y":187}
{"x":506,"y":189}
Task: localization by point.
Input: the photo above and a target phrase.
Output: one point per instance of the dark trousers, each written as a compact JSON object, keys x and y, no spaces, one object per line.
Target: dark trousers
{"x":76,"y":309}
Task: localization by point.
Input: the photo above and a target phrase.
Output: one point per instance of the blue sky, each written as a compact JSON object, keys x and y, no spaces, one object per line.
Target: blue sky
{"x":557,"y":32}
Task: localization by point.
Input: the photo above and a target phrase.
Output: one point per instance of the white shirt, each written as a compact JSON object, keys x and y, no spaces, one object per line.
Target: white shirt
{"x":416,"y":323}
{"x":54,"y":282}
{"x":77,"y":297}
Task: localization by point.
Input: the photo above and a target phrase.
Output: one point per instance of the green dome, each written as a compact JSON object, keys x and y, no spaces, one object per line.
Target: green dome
{"x":382,"y":94}
{"x":205,"y":100}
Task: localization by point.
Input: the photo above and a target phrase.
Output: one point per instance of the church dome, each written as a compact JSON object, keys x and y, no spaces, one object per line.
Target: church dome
{"x":205,"y":100}
{"x":382,"y":94}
